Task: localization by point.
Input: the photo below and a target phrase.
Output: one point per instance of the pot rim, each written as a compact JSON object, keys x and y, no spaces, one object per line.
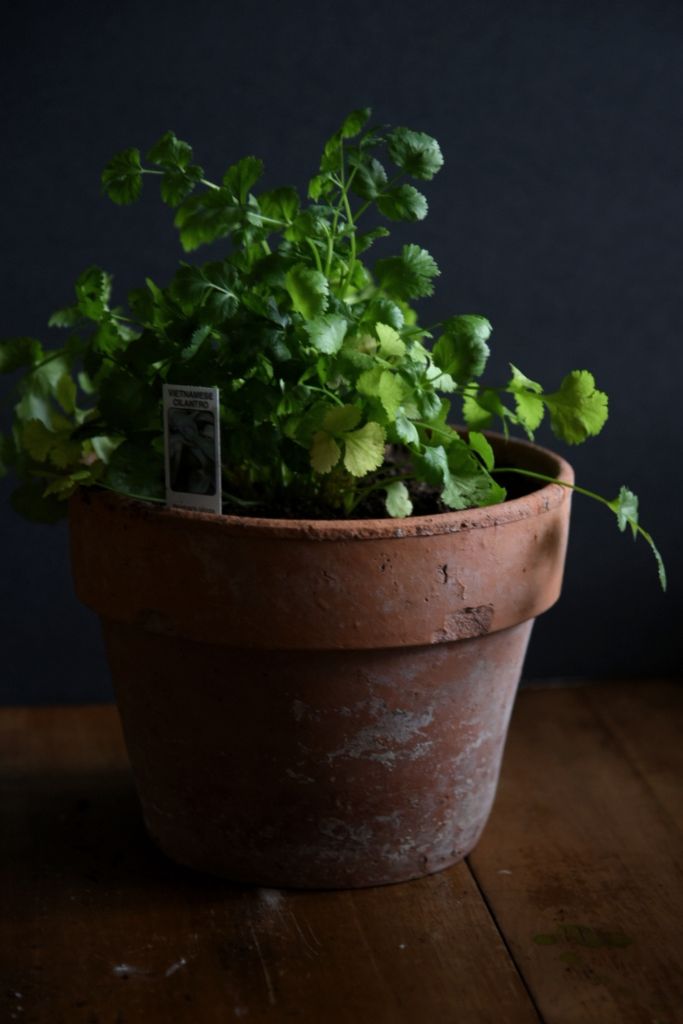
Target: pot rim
{"x":536,"y":502}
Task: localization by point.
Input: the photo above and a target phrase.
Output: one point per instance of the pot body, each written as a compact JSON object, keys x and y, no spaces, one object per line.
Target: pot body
{"x":319,"y":704}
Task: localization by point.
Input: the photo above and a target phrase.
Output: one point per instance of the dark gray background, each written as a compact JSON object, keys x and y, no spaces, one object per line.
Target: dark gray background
{"x":558,"y":215}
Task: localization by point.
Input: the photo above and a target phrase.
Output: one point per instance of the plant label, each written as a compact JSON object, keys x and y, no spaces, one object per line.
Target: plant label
{"x":192,"y":441}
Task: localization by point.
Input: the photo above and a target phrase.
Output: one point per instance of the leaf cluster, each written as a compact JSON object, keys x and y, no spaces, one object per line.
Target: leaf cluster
{"x":323,"y":368}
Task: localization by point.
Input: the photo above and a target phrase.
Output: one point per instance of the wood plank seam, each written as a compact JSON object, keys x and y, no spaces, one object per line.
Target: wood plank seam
{"x":498,"y":927}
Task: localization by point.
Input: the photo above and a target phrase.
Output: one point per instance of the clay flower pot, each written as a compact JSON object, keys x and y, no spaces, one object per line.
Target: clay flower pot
{"x":319,"y":703}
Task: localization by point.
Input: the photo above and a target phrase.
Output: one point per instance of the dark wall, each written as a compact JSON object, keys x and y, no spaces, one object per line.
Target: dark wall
{"x":558,"y":215}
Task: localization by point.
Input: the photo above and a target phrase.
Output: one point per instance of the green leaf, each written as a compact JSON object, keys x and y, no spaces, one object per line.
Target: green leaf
{"x":528,"y":405}
{"x":30,"y":502}
{"x":308,"y":226}
{"x":408,"y":276}
{"x":368,"y":381}
{"x":206,"y":291}
{"x":384,"y":311}
{"x":180,"y":175}
{"x":327,"y":332}
{"x":429,"y":403}
{"x":38,"y":388}
{"x":325,"y":452}
{"x":280,"y":204}
{"x":104,"y":447}
{"x":398,"y":503}
{"x":520,"y":382}
{"x":43,"y":444}
{"x":242,"y":176}
{"x":368,"y":238}
{"x":369,"y":177}
{"x":391,"y":345}
{"x":415,"y":153}
{"x":444,"y":382}
{"x":308,"y":290}
{"x":625,"y":507}
{"x":479,"y":411}
{"x":127,"y":403}
{"x":403,"y":203}
{"x":66,"y":317}
{"x":462,"y":349}
{"x":468,"y":483}
{"x":37,"y":440}
{"x":353,"y":122}
{"x":342,"y":418}
{"x":122,"y":177}
{"x":209,"y":215}
{"x":391,"y":391}
{"x":65,"y":452}
{"x":177,"y":183}
{"x":432,"y":464}
{"x":405,"y":430}
{"x":18,"y":353}
{"x":332,"y":150}
{"x":65,"y":486}
{"x":136,"y":469}
{"x":196,"y":341}
{"x":65,"y":393}
{"x":320,"y":185}
{"x":364,"y":449}
{"x":169,"y":151}
{"x":577,"y":410}
{"x":93,"y":292}
{"x":481,"y":446}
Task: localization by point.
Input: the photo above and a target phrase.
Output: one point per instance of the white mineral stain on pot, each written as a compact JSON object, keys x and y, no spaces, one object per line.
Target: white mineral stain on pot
{"x":299,"y":777}
{"x":393,"y":819}
{"x":338,"y":830}
{"x":383,"y":741}
{"x":302,"y":711}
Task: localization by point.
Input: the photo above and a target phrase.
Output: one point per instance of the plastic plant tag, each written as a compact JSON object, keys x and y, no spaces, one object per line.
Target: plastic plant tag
{"x":192,"y":440}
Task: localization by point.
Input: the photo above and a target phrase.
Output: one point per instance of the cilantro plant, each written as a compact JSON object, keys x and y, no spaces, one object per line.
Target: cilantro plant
{"x":333,"y":395}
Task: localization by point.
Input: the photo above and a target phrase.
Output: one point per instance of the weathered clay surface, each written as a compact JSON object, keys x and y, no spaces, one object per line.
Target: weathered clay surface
{"x":358,"y":584}
{"x":316,"y":768}
{"x":319,"y":704}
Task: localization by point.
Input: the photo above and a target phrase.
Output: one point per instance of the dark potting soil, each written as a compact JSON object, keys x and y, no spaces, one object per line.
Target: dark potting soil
{"x":426,"y":502}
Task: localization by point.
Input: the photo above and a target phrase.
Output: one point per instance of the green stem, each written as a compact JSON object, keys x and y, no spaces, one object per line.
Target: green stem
{"x":48,"y":359}
{"x":316,"y":255}
{"x":126,"y":319}
{"x":362,"y":495}
{"x":436,"y":430}
{"x":361,"y":209}
{"x":127,"y":494}
{"x":553,"y":480}
{"x":202,"y":181}
{"x":323,"y":391}
{"x":611,"y":505}
{"x":330,"y":247}
{"x":352,"y":243}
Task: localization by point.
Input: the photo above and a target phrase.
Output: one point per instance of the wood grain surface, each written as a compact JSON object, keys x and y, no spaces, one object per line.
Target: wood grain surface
{"x":569,"y":910}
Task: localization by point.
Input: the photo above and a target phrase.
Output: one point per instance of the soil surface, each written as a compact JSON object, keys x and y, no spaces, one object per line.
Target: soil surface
{"x":426,"y":500}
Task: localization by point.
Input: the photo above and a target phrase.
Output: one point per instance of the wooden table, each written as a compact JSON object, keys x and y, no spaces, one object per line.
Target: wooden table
{"x":570,"y":911}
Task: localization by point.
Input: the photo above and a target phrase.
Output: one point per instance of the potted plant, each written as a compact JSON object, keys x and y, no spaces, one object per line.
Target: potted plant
{"x":315,"y":681}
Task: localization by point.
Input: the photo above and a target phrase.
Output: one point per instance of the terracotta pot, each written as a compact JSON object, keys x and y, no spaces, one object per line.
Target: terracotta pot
{"x":319,"y":703}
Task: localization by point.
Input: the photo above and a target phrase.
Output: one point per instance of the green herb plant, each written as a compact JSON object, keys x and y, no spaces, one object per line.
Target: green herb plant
{"x":333,"y":396}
